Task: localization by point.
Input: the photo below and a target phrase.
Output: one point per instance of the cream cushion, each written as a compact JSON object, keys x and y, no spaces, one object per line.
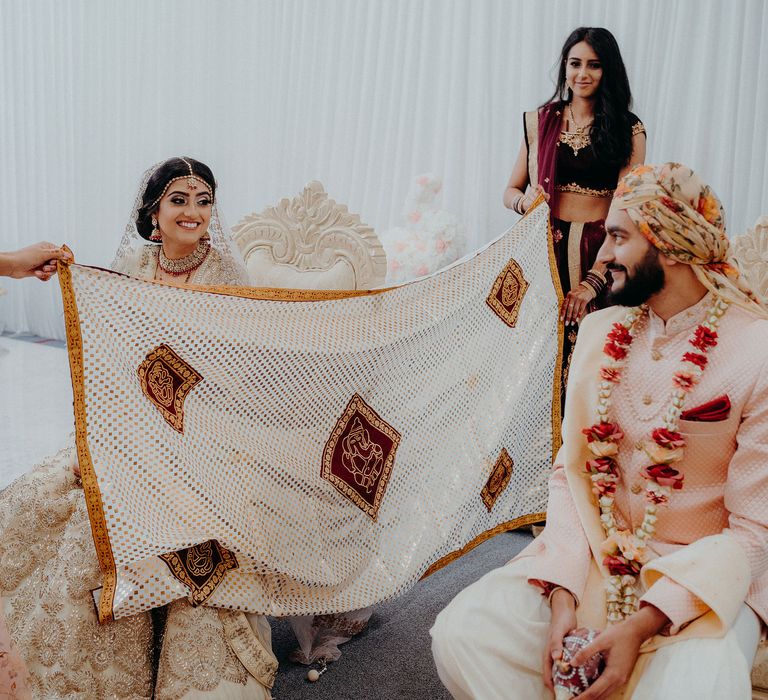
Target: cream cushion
{"x":310,"y":242}
{"x":265,"y":272}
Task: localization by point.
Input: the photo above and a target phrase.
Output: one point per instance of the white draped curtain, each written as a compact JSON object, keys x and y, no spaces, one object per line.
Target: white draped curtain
{"x":359,"y":94}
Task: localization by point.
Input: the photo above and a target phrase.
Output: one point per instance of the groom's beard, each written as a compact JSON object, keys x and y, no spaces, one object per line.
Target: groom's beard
{"x":646,"y":279}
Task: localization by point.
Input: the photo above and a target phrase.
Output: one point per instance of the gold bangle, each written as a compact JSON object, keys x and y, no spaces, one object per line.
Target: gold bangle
{"x":599,"y":275}
{"x":586,"y":285}
{"x":555,"y":590}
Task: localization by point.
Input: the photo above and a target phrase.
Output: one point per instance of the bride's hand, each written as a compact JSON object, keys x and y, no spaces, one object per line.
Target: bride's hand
{"x":575,"y":305}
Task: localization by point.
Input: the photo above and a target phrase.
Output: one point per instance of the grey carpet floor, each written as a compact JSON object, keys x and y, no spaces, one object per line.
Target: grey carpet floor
{"x":391,"y":659}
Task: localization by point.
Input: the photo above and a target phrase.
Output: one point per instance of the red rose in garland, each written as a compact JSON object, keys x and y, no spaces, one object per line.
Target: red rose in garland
{"x":696,"y":358}
{"x":603,"y":432}
{"x":664,"y":475}
{"x":667,"y":438}
{"x":704,"y":338}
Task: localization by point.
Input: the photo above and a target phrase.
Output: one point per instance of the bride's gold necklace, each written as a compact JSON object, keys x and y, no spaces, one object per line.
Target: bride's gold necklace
{"x":576,"y":139}
{"x":186,"y":265}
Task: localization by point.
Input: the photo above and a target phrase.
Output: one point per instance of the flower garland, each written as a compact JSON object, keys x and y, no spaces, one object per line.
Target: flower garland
{"x":625,"y":551}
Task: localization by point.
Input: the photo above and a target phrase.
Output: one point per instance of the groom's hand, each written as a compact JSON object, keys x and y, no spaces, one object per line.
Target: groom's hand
{"x":563,"y":621}
{"x":620,"y":645}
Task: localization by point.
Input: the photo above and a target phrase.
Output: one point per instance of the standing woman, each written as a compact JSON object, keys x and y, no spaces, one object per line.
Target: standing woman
{"x":575,"y":148}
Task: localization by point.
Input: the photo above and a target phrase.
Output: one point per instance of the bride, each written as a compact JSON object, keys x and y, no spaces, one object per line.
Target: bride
{"x":49,"y":562}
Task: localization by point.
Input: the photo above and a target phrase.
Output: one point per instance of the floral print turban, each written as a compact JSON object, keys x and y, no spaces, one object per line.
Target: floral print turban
{"x":682,"y":217}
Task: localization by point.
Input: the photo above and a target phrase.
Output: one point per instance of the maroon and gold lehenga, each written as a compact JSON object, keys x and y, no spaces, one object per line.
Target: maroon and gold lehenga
{"x":562,"y":161}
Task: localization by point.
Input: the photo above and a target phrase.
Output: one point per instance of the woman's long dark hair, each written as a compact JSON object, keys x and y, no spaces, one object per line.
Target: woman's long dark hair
{"x":171,"y":169}
{"x":612,"y":129}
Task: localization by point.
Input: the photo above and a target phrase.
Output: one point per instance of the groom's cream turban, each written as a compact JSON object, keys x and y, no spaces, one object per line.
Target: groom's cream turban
{"x":682,"y":217}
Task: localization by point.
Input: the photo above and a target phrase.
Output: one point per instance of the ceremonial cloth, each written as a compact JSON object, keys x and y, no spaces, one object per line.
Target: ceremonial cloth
{"x":294,"y":452}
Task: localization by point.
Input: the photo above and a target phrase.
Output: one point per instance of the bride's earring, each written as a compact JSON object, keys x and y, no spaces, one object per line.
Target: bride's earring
{"x":155,"y":236}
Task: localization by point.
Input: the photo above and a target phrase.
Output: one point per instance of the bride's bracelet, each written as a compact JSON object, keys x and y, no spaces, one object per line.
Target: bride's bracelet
{"x":596,"y":280}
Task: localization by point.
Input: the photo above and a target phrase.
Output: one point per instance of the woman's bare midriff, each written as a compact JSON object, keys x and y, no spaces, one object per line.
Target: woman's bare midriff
{"x":581,"y":207}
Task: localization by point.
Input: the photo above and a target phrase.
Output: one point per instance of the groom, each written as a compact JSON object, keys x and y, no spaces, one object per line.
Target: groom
{"x":657,"y":524}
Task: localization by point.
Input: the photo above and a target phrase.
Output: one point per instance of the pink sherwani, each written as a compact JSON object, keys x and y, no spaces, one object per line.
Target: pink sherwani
{"x":725,"y":463}
{"x":710,"y":544}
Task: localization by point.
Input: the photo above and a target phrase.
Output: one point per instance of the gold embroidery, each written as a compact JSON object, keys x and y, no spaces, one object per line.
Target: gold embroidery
{"x":507,"y":293}
{"x":201,"y":568}
{"x":50,"y":612}
{"x":166,"y":380}
{"x":575,"y":234}
{"x":590,"y":191}
{"x":557,"y":382}
{"x":498,"y":480}
{"x":638,"y":128}
{"x":572,"y":335}
{"x":359,"y":456}
{"x":251,"y":644}
{"x":161,"y":384}
{"x":577,"y":140}
{"x":195,"y":655}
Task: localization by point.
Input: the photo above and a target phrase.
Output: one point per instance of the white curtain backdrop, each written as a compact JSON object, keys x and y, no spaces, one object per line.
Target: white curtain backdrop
{"x":360,"y":94}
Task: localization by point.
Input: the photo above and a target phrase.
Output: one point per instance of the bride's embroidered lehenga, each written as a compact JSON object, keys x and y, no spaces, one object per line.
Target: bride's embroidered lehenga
{"x":49,"y":568}
{"x":13,"y":674}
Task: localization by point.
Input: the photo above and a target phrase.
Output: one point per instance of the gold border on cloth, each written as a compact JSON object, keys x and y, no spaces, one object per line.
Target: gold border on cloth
{"x":575,"y":234}
{"x":557,"y":379}
{"x":88,"y":475}
{"x":532,"y":126}
{"x":532,"y":129}
{"x":576,"y":188}
{"x":522,"y":521}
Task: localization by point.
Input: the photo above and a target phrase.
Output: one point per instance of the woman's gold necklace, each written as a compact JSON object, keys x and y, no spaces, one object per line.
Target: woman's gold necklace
{"x":576,"y":139}
{"x":186,"y":265}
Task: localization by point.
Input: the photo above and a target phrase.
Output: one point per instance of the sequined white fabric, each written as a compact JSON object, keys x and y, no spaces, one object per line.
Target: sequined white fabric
{"x":458,"y":381}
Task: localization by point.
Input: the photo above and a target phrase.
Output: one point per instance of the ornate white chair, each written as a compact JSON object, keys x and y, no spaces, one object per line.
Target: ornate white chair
{"x":751,"y":252}
{"x":310,"y":242}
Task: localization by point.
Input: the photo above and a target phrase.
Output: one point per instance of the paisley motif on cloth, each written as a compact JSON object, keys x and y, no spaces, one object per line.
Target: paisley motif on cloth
{"x":507,"y":294}
{"x":359,"y":455}
{"x":201,"y":568}
{"x":498,"y":480}
{"x":166,"y":380}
